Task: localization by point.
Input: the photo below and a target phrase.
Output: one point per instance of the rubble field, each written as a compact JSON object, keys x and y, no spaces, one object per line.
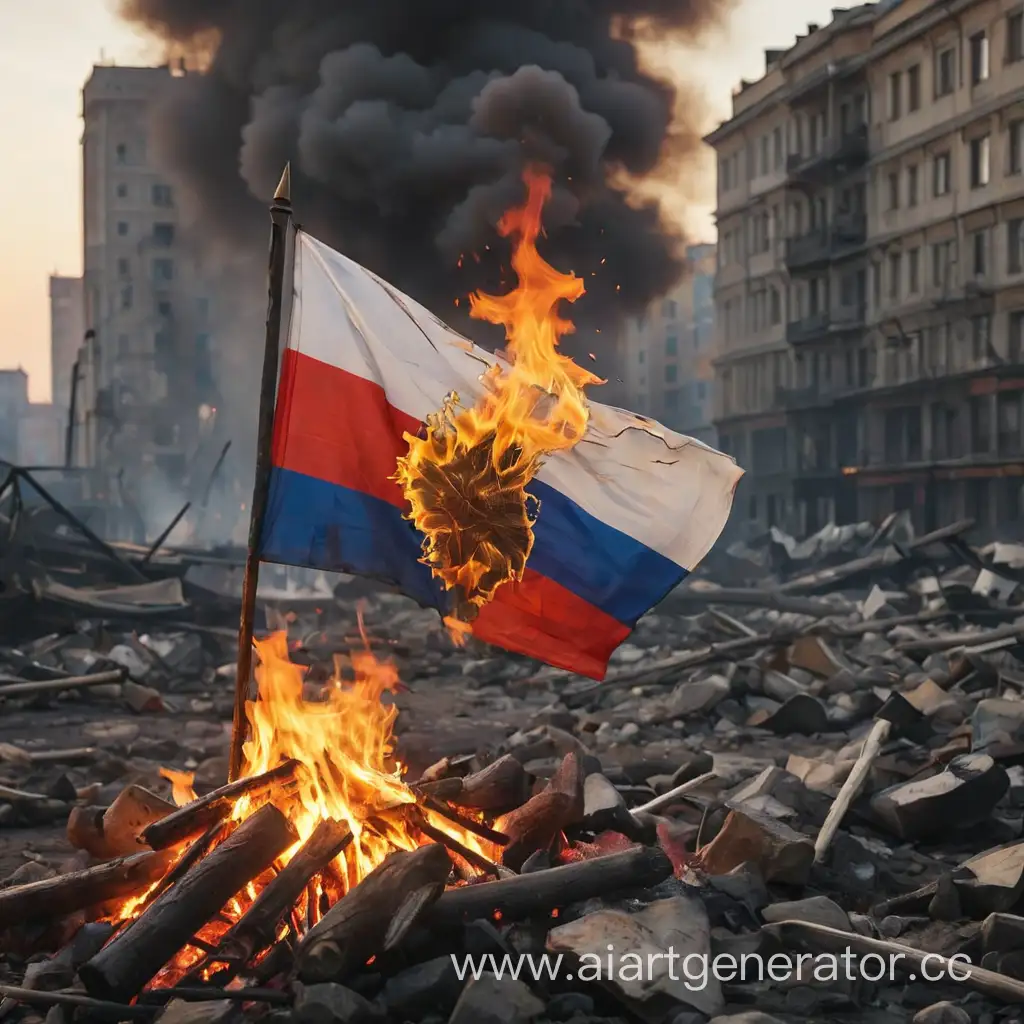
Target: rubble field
{"x":810,"y":749}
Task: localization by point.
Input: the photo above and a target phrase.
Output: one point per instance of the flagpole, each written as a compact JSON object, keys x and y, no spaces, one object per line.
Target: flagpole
{"x":280,"y":218}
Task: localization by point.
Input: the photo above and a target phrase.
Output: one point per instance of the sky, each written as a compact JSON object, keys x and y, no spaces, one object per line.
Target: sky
{"x":47,"y":50}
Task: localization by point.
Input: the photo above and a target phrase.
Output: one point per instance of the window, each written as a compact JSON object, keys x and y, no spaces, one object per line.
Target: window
{"x":640,"y":356}
{"x":126,"y":297}
{"x":895,"y":94}
{"x":702,"y":391}
{"x":894,"y":275}
{"x":164,"y":308}
{"x":941,"y":253}
{"x":122,"y":228}
{"x":1015,"y":343}
{"x":122,"y":267}
{"x":669,"y":309}
{"x":941,"y":174}
{"x":162,"y":195}
{"x":121,"y":153}
{"x":672,"y":400}
{"x":163,"y":234}
{"x":979,"y":253}
{"x":981,"y":333}
{"x":1015,"y":147}
{"x":777,"y":148}
{"x":671,"y":345}
{"x":914,"y":88}
{"x":775,"y":306}
{"x":163,"y":271}
{"x":1015,"y":37}
{"x":945,"y":79}
{"x":670,"y":374}
{"x":914,"y":271}
{"x":912,"y":185}
{"x":122,"y":344}
{"x":979,"y":58}
{"x":980,"y":161}
{"x":894,"y":191}
{"x":1015,"y":245}
{"x":122,"y":190}
{"x":764,"y":154}
{"x":203,"y":308}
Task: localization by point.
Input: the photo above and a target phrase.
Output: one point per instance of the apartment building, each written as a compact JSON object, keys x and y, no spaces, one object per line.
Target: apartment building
{"x":145,"y":368}
{"x":870,"y":288}
{"x":666,"y":354}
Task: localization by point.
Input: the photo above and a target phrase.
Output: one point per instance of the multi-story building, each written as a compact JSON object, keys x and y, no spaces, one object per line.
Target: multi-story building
{"x":67,"y":330}
{"x":13,"y":406}
{"x":146,"y":364}
{"x":667,"y":352}
{"x":870,"y":295}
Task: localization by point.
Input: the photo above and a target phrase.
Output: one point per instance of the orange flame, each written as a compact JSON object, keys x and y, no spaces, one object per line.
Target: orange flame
{"x":466,"y":478}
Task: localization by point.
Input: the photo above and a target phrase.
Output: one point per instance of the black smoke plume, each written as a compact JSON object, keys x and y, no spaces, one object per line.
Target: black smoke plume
{"x":408,"y":123}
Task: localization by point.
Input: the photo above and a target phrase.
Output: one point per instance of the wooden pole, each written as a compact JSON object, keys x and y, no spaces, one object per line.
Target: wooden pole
{"x":280,"y":217}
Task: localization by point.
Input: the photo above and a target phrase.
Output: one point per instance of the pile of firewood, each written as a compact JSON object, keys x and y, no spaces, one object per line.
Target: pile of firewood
{"x":196,"y":871}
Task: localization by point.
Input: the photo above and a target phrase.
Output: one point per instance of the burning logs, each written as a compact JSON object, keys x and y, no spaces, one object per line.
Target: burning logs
{"x":540,"y":892}
{"x":256,"y":929}
{"x":56,"y":897}
{"x":373,"y":915}
{"x":135,"y":955}
{"x":501,"y":786}
{"x":196,"y":817}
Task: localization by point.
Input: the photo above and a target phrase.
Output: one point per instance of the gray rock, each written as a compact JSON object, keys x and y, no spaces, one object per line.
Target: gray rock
{"x":813,"y":909}
{"x":492,"y":1000}
{"x":569,"y":1004}
{"x":749,"y":1017}
{"x":328,"y":1003}
{"x":942,"y":1013}
{"x":679,"y":924}
{"x":432,"y":985}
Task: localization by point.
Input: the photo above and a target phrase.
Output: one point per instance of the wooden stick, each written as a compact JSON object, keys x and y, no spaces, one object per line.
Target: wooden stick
{"x":32,"y":688}
{"x":356,"y":927}
{"x":135,"y":955}
{"x":929,"y":966}
{"x":56,"y":897}
{"x":851,"y":787}
{"x":673,"y":794}
{"x":280,"y":217}
{"x":199,"y":994}
{"x":257,"y":928}
{"x":78,"y":1001}
{"x":502,"y":786}
{"x":478,"y":828}
{"x":419,"y":819}
{"x":195,"y":853}
{"x":515,"y":899}
{"x":196,"y":817}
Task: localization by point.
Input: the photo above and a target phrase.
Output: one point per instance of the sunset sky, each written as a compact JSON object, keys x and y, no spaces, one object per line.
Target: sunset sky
{"x":46,"y":52}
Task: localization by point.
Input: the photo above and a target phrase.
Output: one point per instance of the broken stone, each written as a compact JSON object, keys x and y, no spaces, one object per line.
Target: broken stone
{"x":996,"y":719}
{"x":329,"y":1003}
{"x":1002,"y":933}
{"x":942,"y":1013}
{"x":997,"y":882}
{"x":492,"y":1000}
{"x":640,"y":943}
{"x":961,"y":796}
{"x":431,"y":987}
{"x":801,"y":714}
{"x":813,"y":909}
{"x":179,"y":1011}
{"x":934,"y":702}
{"x":604,"y":807}
{"x":141,"y":698}
{"x":819,"y":776}
{"x":692,"y":698}
{"x":812,"y":654}
{"x":780,"y":853}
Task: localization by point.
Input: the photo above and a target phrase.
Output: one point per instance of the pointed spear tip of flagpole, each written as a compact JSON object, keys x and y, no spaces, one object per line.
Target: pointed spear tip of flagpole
{"x":283,"y":194}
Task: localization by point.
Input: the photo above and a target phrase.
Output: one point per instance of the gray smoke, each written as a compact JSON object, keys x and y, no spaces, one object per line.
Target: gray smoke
{"x":408,"y":123}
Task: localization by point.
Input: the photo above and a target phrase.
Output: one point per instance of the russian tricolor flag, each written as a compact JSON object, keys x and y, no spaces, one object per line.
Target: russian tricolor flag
{"x":624,"y":516}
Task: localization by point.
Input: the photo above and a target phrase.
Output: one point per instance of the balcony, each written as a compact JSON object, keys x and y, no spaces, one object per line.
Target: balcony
{"x":834,"y":159}
{"x":808,"y":329}
{"x":799,"y":398}
{"x":846,"y":232}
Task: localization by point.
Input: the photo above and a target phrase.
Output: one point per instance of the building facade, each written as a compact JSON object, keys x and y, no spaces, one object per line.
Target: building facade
{"x":667,"y":369}
{"x":871,"y":285}
{"x":145,"y":367}
{"x":13,"y":407}
{"x":67,"y":332}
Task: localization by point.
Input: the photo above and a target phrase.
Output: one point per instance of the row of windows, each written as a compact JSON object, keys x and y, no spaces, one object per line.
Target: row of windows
{"x":159,"y":195}
{"x":979,"y":169}
{"x":903,"y":96}
{"x":904,"y":270}
{"x":162,"y":234}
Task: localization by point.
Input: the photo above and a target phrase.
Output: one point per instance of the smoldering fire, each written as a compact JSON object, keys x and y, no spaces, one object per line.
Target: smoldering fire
{"x":409,"y":122}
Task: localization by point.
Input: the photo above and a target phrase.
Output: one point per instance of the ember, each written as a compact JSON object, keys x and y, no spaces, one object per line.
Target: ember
{"x":467,"y":477}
